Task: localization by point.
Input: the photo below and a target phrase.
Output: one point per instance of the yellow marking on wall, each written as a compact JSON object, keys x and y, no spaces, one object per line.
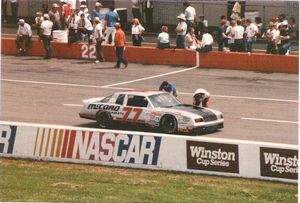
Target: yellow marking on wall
{"x":42,"y":142}
{"x":58,"y":148}
{"x":53,"y":143}
{"x":49,"y":134}
{"x":36,"y":139}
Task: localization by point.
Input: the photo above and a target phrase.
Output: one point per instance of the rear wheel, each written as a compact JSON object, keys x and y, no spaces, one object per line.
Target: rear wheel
{"x":168,"y":124}
{"x":104,"y":119}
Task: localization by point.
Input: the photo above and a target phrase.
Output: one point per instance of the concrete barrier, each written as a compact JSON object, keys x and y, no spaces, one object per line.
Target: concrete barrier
{"x":150,"y":55}
{"x":204,"y":155}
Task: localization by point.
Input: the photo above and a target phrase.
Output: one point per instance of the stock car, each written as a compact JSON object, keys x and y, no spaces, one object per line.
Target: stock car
{"x":151,"y":108}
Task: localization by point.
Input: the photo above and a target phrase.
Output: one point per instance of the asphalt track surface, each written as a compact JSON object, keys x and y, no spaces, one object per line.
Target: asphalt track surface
{"x":257,"y":106}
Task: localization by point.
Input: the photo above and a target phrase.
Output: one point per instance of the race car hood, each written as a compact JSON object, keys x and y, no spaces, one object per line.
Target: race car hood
{"x":205,"y":113}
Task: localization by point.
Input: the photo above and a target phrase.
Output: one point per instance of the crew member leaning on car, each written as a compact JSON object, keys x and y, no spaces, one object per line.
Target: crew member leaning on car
{"x":168,"y":87}
{"x":201,"y":97}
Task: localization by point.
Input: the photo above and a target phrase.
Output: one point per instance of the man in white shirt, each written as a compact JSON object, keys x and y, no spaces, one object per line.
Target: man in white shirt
{"x":99,"y":39}
{"x":181,"y":30}
{"x":23,"y":36}
{"x":46,"y":32}
{"x":85,"y":27}
{"x":238,"y":35}
{"x":207,"y":42}
{"x":251,"y":33}
{"x":190,"y":14}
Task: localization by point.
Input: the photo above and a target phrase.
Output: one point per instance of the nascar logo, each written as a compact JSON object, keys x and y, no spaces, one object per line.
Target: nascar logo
{"x":97,"y":146}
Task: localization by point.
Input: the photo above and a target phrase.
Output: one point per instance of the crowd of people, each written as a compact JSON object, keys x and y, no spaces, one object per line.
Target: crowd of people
{"x":236,"y":35}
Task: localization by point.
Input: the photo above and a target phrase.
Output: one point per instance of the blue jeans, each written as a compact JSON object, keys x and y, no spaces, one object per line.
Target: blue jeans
{"x":249,"y":44}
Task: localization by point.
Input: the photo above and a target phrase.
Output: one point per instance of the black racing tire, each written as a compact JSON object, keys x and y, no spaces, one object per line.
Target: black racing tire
{"x":168,"y":124}
{"x":104,"y":119}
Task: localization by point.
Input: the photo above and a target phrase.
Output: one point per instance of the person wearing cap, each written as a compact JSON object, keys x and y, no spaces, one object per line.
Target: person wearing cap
{"x":251,"y":33}
{"x":97,"y":12}
{"x":120,"y":42}
{"x":99,"y":39}
{"x":201,"y":98}
{"x":167,"y":86}
{"x":190,"y":14}
{"x":284,"y":36}
{"x":73,"y":22}
{"x":46,"y":35}
{"x":163,"y":39}
{"x":55,"y":17}
{"x":181,"y":31}
{"x":84,"y":10}
{"x":111,"y":18}
{"x":85,"y":28}
{"x":23,"y":36}
{"x":207,"y":42}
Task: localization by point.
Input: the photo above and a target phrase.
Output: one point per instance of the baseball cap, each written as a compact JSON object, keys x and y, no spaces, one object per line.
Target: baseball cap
{"x":117,"y":25}
{"x":98,"y":4}
{"x":96,"y":19}
{"x":46,"y":16}
{"x":21,"y":21}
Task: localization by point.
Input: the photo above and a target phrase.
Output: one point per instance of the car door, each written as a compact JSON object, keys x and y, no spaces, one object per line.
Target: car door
{"x":137,"y":109}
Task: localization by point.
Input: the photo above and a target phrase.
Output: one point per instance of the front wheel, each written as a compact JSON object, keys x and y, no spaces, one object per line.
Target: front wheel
{"x":104,"y":119}
{"x":168,"y":124}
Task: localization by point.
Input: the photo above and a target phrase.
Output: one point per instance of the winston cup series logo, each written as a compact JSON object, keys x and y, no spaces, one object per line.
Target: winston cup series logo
{"x":212,"y":157}
{"x":279,"y":163}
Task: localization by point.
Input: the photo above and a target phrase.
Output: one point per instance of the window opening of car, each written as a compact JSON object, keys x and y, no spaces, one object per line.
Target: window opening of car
{"x":120,"y":99}
{"x":163,"y":100}
{"x":137,"y":101}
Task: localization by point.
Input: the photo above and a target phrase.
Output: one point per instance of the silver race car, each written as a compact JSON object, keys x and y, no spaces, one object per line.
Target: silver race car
{"x":152,"y":108}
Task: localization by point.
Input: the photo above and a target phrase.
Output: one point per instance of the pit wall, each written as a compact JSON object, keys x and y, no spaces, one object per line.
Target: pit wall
{"x":200,"y":155}
{"x":150,"y":55}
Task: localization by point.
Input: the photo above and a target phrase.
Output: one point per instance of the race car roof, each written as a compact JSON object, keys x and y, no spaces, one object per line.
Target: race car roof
{"x":140,"y":92}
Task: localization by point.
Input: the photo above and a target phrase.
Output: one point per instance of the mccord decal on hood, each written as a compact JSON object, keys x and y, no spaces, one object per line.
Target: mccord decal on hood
{"x":104,"y":107}
{"x":97,"y":146}
{"x":212,"y":156}
{"x":279,"y":163}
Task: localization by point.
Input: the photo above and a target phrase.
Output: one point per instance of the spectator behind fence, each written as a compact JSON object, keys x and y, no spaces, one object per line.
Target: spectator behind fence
{"x":251,"y":34}
{"x":55,"y":17}
{"x":284,"y":36}
{"x":221,"y":36}
{"x":85,"y":28}
{"x":292,"y":27}
{"x":73,"y":22}
{"x":137,"y":31}
{"x":46,"y":35}
{"x":260,"y":27}
{"x":230,"y":36}
{"x":207,"y":42}
{"x":281,"y":19}
{"x":270,"y":37}
{"x":120,"y":42}
{"x":84,"y":10}
{"x":45,"y":6}
{"x":190,"y":15}
{"x":14,"y":5}
{"x":96,"y":12}
{"x":163,"y":39}
{"x":168,"y":87}
{"x":148,"y":9}
{"x":191,"y":42}
{"x":38,"y":21}
{"x":136,"y":12}
{"x":111,"y":18}
{"x":23,"y":36}
{"x":238,"y":35}
{"x":201,"y":25}
{"x":181,"y":31}
{"x":4,"y":11}
{"x":99,"y":39}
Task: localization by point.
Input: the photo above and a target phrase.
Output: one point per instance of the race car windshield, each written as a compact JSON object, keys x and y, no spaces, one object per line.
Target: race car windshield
{"x":163,"y":100}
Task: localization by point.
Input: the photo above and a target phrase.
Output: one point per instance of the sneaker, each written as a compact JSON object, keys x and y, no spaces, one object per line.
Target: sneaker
{"x":126,"y":64}
{"x":20,"y":50}
{"x":97,"y":61}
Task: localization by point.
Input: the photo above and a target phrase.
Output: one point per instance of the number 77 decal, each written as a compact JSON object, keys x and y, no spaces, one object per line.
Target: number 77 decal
{"x":128,"y":110}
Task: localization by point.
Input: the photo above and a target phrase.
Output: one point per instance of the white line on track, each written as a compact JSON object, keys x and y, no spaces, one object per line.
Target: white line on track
{"x":73,"y":105}
{"x":270,"y":120}
{"x":151,"y":77}
{"x":124,"y":88}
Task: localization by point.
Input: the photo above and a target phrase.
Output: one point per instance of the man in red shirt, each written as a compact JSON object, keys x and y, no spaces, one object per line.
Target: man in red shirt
{"x":120,"y":41}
